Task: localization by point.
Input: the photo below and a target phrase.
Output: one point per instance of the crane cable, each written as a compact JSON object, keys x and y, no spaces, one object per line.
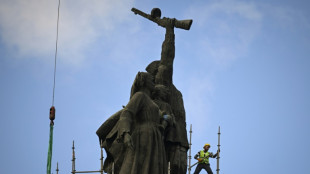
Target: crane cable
{"x":52,"y":109}
{"x":56,"y":55}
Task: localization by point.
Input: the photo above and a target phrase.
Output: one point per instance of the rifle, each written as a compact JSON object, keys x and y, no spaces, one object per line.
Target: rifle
{"x":155,"y":17}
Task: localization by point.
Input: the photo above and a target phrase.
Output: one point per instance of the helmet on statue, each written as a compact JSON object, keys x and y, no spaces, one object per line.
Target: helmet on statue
{"x":156,"y":13}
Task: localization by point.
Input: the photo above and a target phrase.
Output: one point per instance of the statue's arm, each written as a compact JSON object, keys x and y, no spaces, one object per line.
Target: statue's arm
{"x":165,"y":69}
{"x":105,"y":129}
{"x":167,"y":54}
{"x":125,"y":122}
{"x":149,"y":17}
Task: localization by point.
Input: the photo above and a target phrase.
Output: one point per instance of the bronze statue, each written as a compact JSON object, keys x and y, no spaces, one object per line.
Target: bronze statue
{"x":139,"y":129}
{"x":176,"y":141}
{"x":135,"y":143}
{"x":151,"y":129}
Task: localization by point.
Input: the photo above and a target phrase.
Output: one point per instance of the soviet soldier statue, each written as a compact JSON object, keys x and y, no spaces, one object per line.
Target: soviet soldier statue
{"x":176,"y":141}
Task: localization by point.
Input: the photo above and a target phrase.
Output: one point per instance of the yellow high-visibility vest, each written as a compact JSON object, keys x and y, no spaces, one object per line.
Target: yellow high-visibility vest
{"x":205,"y":156}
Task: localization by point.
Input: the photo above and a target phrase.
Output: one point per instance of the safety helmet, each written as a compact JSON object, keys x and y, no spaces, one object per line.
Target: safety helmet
{"x":207,"y":145}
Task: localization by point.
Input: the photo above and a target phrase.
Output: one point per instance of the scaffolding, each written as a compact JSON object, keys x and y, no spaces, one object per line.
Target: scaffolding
{"x":190,"y":150}
{"x":94,"y":171}
{"x":74,"y":171}
{"x":218,"y":153}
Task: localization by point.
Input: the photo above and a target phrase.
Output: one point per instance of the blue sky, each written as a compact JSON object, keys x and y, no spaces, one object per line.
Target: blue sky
{"x":243,"y":65}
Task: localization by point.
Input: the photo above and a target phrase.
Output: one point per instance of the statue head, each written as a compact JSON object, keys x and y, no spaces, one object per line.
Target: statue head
{"x":143,"y":81}
{"x":161,"y":92}
{"x":156,"y":13}
{"x":153,"y":67}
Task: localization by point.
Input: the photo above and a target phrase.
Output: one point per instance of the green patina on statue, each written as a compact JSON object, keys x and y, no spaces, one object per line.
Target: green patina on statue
{"x":150,"y":130}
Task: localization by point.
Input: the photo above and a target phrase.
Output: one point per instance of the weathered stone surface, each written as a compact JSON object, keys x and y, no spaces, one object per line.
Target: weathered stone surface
{"x":151,"y":129}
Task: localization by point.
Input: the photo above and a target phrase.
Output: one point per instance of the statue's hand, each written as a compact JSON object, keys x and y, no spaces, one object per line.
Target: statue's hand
{"x":171,"y":22}
{"x":165,"y":22}
{"x":169,"y":119}
{"x":127,"y":141}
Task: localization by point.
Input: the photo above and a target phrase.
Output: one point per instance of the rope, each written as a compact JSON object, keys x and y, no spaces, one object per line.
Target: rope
{"x":56,"y":55}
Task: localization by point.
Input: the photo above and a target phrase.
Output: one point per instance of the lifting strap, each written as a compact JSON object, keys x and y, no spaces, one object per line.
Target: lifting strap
{"x":50,"y":150}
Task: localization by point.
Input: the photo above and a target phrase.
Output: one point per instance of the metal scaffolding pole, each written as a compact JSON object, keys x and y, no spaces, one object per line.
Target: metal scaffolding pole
{"x":190,"y":150}
{"x":101,"y":157}
{"x":94,"y":171}
{"x":218,"y":153}
{"x":73,"y":159}
{"x":57,"y":168}
{"x":169,"y":167}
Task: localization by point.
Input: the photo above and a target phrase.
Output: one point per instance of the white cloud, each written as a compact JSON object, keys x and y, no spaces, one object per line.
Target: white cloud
{"x":229,"y":27}
{"x":225,"y":31}
{"x":29,"y":27}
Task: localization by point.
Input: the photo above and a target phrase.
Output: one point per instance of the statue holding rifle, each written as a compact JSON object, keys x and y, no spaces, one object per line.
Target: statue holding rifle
{"x":120,"y":144}
{"x":176,"y":141}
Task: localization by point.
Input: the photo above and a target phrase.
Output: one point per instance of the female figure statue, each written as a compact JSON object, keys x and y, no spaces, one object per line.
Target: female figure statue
{"x":140,"y":130}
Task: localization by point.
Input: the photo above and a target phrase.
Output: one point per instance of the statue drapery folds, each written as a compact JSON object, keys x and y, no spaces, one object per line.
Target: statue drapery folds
{"x":150,"y":130}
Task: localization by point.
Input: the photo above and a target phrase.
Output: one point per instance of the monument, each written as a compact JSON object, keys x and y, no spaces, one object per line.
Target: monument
{"x":149,"y":133}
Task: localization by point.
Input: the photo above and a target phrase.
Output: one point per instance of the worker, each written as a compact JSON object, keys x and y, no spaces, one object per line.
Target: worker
{"x":203,"y":159}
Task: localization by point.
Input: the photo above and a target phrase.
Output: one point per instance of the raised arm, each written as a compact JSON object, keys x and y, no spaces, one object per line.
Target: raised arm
{"x":165,"y":70}
{"x":215,"y":155}
{"x":154,"y":16}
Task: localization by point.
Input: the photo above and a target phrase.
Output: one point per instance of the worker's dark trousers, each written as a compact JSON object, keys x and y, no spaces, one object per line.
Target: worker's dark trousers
{"x":203,"y":166}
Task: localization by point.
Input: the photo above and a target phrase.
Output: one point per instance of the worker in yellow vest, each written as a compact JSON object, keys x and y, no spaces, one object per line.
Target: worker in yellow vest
{"x":203,"y":159}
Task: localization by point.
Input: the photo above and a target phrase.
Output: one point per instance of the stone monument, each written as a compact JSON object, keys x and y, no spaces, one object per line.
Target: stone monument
{"x":150,"y":131}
